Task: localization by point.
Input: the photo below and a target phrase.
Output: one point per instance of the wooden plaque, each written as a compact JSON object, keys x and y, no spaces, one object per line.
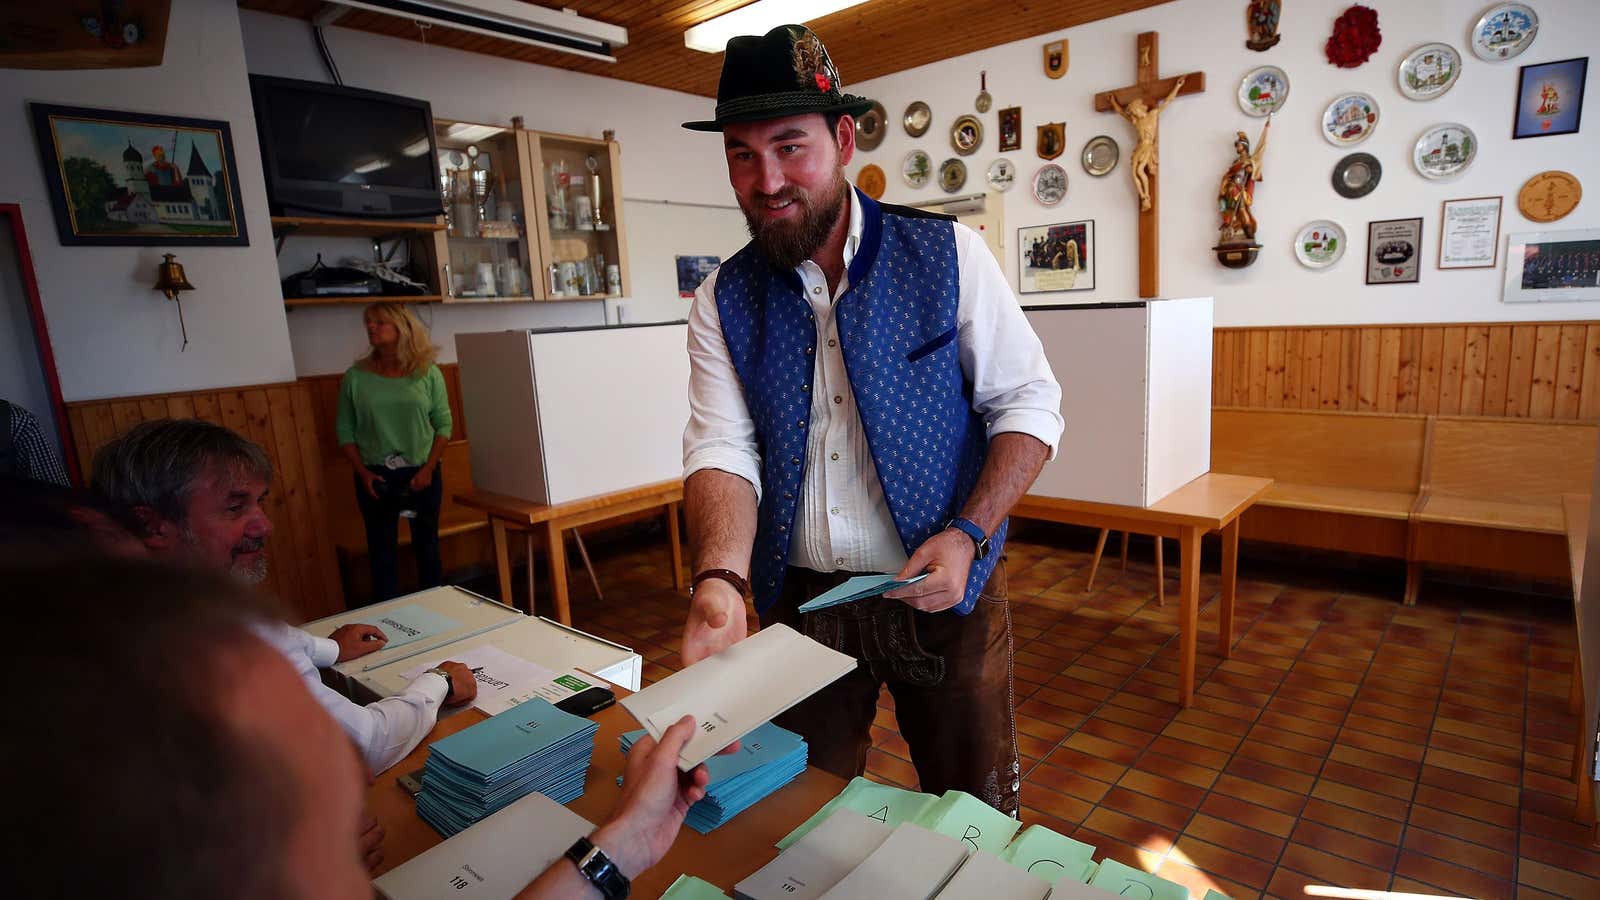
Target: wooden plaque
{"x":1549,"y":196}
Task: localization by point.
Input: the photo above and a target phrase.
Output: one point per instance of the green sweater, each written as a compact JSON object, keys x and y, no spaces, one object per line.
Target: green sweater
{"x":392,"y":415}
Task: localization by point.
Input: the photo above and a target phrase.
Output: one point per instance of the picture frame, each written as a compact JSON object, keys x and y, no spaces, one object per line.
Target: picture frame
{"x":1058,"y":257}
{"x":1010,"y":129}
{"x":1469,"y":233}
{"x":1550,"y":98}
{"x":1394,"y":251}
{"x":1546,"y":266}
{"x":692,"y":270}
{"x":112,"y":185}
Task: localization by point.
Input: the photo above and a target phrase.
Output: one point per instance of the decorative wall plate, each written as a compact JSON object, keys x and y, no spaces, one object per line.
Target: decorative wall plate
{"x":1050,"y":184}
{"x":1002,"y":174}
{"x":1504,"y":30}
{"x":1549,"y":196}
{"x":871,"y":181}
{"x":1350,"y":119}
{"x":1357,"y":175}
{"x":1319,"y":244}
{"x":917,"y":118}
{"x":1428,"y":71}
{"x":871,"y":127}
{"x":916,"y":168}
{"x":966,"y":135}
{"x":1444,"y":150}
{"x":952,"y":175}
{"x":1263,"y":91}
{"x":1100,"y":155}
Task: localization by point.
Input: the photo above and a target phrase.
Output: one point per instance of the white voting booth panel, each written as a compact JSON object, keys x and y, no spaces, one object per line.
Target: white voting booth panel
{"x":563,"y":414}
{"x":1135,"y":394}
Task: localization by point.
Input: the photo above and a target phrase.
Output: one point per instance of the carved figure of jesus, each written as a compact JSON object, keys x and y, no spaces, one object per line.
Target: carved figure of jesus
{"x":1144,"y":121}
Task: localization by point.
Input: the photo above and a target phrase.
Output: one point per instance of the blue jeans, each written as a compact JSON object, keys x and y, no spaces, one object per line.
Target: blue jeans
{"x":382,"y":518}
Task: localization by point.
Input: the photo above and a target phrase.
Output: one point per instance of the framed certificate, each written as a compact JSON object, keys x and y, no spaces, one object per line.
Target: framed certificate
{"x":1469,"y":233}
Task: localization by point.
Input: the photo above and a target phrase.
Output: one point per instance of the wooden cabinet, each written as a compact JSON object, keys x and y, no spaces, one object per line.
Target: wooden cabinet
{"x":522,"y":215}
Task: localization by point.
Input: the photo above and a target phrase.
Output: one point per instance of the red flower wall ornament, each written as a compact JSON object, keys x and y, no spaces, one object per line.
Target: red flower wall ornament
{"x":1355,"y":37}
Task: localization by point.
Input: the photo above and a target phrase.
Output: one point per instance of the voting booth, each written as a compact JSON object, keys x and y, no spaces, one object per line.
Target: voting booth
{"x":449,"y":622}
{"x":1136,"y":396}
{"x":562,"y":414}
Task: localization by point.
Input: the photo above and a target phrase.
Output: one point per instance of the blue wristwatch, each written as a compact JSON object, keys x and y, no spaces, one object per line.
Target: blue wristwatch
{"x":980,"y":541}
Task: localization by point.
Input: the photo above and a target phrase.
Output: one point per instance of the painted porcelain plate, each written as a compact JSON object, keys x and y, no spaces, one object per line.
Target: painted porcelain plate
{"x":966,"y":134}
{"x":1050,"y":184}
{"x":1445,"y":150}
{"x":1100,"y":155}
{"x":916,"y":169}
{"x":1357,"y":175}
{"x":1320,"y":244}
{"x":1428,"y":71}
{"x":1263,"y":91}
{"x":1504,"y":30}
{"x":1350,"y":119}
{"x":1002,"y":174}
{"x":952,"y":175}
{"x":917,"y":118}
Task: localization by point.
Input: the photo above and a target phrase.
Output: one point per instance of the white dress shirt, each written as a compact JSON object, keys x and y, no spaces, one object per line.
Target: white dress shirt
{"x":384,"y":731}
{"x":843,"y":521}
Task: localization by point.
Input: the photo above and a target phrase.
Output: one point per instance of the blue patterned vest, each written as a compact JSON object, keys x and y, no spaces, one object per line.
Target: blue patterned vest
{"x":897,"y":325}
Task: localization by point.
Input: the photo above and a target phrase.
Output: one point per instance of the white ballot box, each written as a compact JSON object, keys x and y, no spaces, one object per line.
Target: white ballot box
{"x":568,"y":413}
{"x":442,"y":622}
{"x":1136,"y":396}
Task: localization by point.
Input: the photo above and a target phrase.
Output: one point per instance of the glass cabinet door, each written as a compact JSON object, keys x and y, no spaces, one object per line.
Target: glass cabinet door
{"x":485,"y":201}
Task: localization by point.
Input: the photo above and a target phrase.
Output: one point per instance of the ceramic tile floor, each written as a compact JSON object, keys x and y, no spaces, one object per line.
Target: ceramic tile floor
{"x":1349,"y":741}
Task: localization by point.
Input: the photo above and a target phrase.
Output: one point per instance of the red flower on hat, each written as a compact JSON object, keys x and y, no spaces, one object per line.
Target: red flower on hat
{"x":822,"y":81}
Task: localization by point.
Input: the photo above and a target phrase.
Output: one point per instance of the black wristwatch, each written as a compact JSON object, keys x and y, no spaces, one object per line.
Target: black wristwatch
{"x":594,"y":865}
{"x":980,"y":541}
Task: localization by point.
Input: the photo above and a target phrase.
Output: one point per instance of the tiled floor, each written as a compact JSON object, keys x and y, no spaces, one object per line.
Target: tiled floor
{"x":1349,"y":741}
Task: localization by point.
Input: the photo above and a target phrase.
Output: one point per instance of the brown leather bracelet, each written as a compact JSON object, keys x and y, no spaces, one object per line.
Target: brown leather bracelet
{"x":734,"y":578}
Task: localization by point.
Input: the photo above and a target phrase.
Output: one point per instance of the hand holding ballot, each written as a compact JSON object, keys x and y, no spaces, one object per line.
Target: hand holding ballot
{"x":655,"y":799}
{"x":946,"y":558}
{"x":357,"y":640}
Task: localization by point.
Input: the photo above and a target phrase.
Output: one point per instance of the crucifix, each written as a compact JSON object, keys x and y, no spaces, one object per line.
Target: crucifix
{"x":1141,"y":104}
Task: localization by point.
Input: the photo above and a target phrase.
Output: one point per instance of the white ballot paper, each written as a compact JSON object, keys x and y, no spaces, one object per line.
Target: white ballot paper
{"x":493,"y":859}
{"x":913,"y":864}
{"x":732,"y":693}
{"x":504,"y":680}
{"x":984,"y":877}
{"x":817,"y":861}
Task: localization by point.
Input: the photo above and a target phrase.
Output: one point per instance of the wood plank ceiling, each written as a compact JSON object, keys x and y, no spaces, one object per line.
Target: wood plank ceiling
{"x":876,"y":38}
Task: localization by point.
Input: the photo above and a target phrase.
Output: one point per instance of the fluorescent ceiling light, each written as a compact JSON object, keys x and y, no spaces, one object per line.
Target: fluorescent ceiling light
{"x":759,"y":17}
{"x":511,"y":20}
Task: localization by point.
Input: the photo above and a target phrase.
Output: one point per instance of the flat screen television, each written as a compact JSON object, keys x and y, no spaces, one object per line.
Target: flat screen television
{"x":340,"y":151}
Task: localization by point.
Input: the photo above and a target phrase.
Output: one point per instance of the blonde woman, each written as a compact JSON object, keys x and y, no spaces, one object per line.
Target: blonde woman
{"x":393,"y":423}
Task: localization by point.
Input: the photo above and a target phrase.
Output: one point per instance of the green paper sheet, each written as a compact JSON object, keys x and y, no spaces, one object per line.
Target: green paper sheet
{"x":1217,"y":895}
{"x":969,"y":820}
{"x":688,"y":887}
{"x":1051,"y":856}
{"x":1136,"y":885}
{"x":889,"y":805}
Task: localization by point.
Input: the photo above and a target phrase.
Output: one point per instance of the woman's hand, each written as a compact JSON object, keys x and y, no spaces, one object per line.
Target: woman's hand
{"x":423,"y":478}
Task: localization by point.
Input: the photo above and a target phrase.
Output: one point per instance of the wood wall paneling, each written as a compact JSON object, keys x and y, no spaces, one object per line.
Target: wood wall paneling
{"x":1538,"y":370}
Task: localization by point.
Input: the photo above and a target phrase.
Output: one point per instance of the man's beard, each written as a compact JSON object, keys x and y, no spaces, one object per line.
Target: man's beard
{"x":787,"y":244}
{"x":253,"y":573}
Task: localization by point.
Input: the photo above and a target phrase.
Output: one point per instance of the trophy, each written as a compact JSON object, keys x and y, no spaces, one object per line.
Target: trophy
{"x":480,"y":195}
{"x":447,"y":190}
{"x":593,"y":165}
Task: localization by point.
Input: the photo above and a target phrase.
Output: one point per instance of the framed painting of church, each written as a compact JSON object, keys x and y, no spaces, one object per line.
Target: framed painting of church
{"x":135,"y":179}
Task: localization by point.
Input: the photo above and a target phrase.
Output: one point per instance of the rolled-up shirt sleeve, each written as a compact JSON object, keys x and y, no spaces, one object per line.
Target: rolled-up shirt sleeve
{"x":720,"y":433}
{"x":1013,"y":387}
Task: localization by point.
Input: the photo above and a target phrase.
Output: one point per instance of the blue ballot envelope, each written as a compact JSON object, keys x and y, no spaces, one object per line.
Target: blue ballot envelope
{"x":858,"y":588}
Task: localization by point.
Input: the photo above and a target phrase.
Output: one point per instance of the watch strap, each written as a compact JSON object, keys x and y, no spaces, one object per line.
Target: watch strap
{"x":980,"y":540}
{"x":449,"y":683}
{"x":734,"y":578}
{"x":598,"y":869}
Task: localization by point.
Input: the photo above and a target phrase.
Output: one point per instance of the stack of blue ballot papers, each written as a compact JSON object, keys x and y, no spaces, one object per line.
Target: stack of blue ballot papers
{"x":482,"y":769}
{"x":768,"y":758}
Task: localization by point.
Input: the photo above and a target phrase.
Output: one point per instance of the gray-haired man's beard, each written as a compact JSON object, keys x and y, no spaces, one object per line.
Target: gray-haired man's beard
{"x":251,"y":573}
{"x":788,"y":244}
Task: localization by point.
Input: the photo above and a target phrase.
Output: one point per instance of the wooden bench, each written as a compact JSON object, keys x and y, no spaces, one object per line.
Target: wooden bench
{"x":1342,"y":481}
{"x":1491,"y":494}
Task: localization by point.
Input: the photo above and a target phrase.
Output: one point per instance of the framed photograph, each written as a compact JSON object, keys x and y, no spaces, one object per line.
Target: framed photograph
{"x":1056,"y":257}
{"x":132,"y":179}
{"x":1394,"y":251}
{"x":1010,"y":129}
{"x":1469,"y":233}
{"x":1550,"y":98}
{"x":692,"y":270}
{"x":1553,"y":265}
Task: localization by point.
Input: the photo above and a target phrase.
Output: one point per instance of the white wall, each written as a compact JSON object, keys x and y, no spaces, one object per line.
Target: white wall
{"x":1196,"y":146}
{"x":660,"y":161}
{"x":112,"y":334}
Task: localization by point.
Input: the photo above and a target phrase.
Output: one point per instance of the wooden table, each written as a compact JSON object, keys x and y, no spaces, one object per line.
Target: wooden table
{"x":1212,"y":502}
{"x":724,"y":857}
{"x":514,"y":514}
{"x":1575,"y":509}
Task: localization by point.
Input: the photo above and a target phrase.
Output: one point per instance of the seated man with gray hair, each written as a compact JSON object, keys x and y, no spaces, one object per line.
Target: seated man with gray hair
{"x":196,"y":491}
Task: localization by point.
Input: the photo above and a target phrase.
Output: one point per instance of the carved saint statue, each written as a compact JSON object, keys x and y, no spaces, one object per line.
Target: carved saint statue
{"x":1262,"y":19}
{"x":1144,"y":121}
{"x":1237,"y":192}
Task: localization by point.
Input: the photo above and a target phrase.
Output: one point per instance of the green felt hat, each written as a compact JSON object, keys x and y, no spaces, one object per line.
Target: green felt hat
{"x":785,"y":72}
